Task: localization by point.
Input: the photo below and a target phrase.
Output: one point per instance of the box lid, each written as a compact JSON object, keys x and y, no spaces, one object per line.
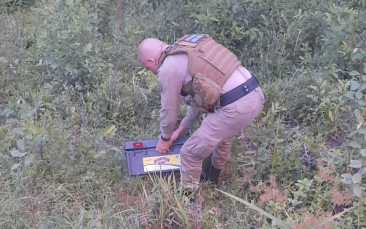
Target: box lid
{"x":148,"y":144}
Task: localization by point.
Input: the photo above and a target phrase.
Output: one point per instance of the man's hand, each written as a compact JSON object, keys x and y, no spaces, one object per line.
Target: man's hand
{"x":163,"y":146}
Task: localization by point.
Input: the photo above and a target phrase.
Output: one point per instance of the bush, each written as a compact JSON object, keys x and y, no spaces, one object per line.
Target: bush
{"x":71,"y":47}
{"x":15,"y":5}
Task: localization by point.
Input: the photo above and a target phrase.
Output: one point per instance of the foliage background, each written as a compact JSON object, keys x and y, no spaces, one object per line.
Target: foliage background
{"x":72,"y":92}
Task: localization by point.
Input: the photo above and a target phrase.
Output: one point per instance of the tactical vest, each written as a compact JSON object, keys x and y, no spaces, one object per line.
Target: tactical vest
{"x":210,"y":64}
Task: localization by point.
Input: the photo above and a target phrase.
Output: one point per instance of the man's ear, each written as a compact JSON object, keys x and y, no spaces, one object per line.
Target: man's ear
{"x":151,"y":61}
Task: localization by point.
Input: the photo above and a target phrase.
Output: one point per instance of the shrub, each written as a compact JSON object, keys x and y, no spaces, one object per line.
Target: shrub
{"x":71,"y":47}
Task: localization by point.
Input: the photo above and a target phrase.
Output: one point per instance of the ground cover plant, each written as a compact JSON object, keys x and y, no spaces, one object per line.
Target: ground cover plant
{"x":72,"y":92}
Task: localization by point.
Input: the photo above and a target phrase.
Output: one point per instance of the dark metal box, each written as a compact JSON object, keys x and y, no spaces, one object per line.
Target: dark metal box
{"x":142,"y":157}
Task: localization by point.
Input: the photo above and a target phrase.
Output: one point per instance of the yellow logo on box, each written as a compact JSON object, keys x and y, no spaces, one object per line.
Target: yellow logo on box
{"x":159,"y":163}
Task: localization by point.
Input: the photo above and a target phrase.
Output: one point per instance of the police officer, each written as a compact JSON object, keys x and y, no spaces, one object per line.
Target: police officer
{"x":211,"y":76}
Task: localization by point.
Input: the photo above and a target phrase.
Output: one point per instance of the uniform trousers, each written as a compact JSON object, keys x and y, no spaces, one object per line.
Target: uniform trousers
{"x":215,"y":136}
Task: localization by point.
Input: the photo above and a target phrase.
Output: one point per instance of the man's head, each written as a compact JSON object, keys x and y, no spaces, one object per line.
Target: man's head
{"x":149,"y":53}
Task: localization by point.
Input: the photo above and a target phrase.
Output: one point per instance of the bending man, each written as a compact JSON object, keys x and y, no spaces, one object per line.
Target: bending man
{"x":213,"y":82}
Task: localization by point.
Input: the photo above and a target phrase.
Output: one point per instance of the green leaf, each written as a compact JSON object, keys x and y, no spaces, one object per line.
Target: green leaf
{"x":357,"y":178}
{"x":21,"y":144}
{"x":363,"y":171}
{"x":356,"y":57}
{"x":363,"y":87}
{"x":182,"y":211}
{"x":76,"y":44}
{"x":349,"y":94}
{"x":357,"y":190}
{"x":354,"y":73}
{"x":87,"y":48}
{"x":354,"y":85}
{"x":37,"y":142}
{"x":24,"y":115}
{"x":28,"y":160}
{"x":16,"y":153}
{"x":36,"y":130}
{"x":331,"y":116}
{"x":359,"y":95}
{"x":29,"y":136}
{"x":347,"y":176}
{"x":313,"y":87}
{"x":18,"y":131}
{"x":100,"y":154}
{"x":361,"y":103}
{"x":15,"y":166}
{"x":355,"y":164}
{"x":363,"y":152}
{"x":66,"y":136}
{"x":354,"y":145}
{"x":358,"y":115}
{"x":108,"y":129}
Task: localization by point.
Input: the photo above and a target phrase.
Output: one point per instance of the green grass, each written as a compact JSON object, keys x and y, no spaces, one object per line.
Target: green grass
{"x":68,"y":142}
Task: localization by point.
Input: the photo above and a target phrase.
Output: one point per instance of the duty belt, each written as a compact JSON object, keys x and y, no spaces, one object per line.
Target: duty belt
{"x":239,"y":92}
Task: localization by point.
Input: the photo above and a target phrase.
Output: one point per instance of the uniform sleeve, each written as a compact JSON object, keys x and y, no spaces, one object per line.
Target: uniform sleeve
{"x":191,"y":115}
{"x":170,"y":87}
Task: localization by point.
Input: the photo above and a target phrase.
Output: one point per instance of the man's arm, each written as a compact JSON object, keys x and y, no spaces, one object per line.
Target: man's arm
{"x":187,"y":122}
{"x":170,"y":87}
{"x":191,"y":116}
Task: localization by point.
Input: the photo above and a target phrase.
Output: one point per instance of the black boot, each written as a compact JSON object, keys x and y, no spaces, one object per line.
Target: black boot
{"x":214,"y":175}
{"x":210,"y":174}
{"x":204,"y":175}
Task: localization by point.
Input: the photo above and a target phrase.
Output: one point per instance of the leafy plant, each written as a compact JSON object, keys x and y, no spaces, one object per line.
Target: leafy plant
{"x":70,"y":46}
{"x":14,"y":5}
{"x":356,"y":95}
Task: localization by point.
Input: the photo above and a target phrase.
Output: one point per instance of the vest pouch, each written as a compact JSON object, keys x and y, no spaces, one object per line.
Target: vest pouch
{"x":202,"y":107}
{"x":208,"y":91}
